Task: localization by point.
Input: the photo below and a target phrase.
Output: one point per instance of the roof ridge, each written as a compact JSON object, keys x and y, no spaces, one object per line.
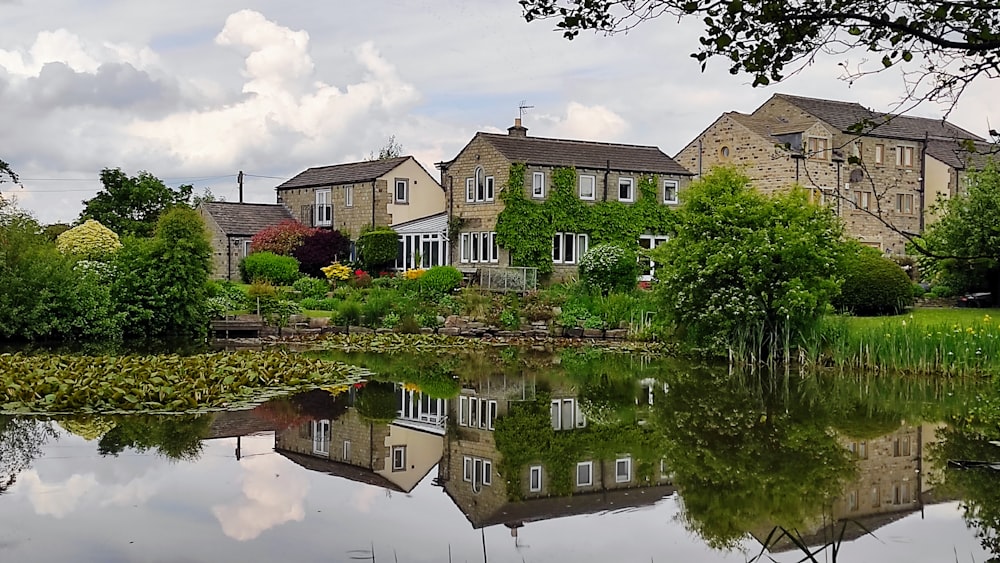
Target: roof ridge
{"x":377,"y":161}
{"x":825,"y":100}
{"x":575,"y":141}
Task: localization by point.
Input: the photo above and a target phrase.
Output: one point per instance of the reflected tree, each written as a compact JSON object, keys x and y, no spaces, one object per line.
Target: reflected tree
{"x":21,"y":441}
{"x":745,"y":458}
{"x":173,"y":437}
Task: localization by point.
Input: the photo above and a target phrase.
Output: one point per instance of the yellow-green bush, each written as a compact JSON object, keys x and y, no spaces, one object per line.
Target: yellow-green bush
{"x":89,"y":241}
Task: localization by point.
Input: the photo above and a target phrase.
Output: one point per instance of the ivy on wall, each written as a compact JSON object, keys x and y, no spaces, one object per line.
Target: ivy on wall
{"x":526,"y":227}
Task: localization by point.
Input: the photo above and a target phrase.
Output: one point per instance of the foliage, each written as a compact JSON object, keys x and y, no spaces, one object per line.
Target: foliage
{"x":161,"y":283}
{"x":873,"y":284}
{"x":269,"y":267}
{"x":278,"y":312}
{"x":337,"y":272}
{"x":955,"y":42}
{"x":439,"y":281}
{"x":21,"y":441}
{"x":966,"y":234}
{"x":746,"y":272}
{"x":608,"y":267}
{"x":319,"y":248}
{"x":377,"y":402}
{"x":53,"y":231}
{"x":391,"y":149}
{"x":281,"y":239}
{"x":6,"y":173}
{"x":311,"y":287}
{"x":349,"y":312}
{"x":414,"y":273}
{"x":132,"y":205}
{"x":88,"y":384}
{"x":89,"y":241}
{"x":377,"y":248}
{"x":526,"y":227}
{"x":173,"y":437}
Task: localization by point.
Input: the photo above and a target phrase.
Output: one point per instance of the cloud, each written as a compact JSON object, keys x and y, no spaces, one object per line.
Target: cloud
{"x":271,"y":498}
{"x":592,"y":123}
{"x":56,"y":499}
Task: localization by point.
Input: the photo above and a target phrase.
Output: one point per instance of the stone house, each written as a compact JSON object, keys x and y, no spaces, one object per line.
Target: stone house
{"x":474,"y":179}
{"x":349,"y":197}
{"x":230,"y":227}
{"x":874,"y":168}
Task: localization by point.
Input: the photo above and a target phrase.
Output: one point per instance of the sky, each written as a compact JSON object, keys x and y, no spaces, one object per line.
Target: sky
{"x":194,"y":92}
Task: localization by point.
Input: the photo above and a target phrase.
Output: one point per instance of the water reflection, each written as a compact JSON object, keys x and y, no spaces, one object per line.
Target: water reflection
{"x":527,"y":444}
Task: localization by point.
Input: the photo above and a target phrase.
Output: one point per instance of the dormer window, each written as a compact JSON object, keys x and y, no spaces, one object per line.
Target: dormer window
{"x":818,"y":148}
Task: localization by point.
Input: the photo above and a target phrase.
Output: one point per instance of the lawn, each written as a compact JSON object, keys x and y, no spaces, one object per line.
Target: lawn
{"x":930,"y":316}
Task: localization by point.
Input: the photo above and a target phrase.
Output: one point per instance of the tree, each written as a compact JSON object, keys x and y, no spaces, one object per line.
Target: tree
{"x":967,"y":237}
{"x":160,"y":283}
{"x":89,"y":241}
{"x":320,"y":248}
{"x":745,"y":272}
{"x":131,"y":205}
{"x":21,"y":442}
{"x":953,"y":42}
{"x":391,"y":149}
{"x":6,"y":173}
{"x":280,"y":239}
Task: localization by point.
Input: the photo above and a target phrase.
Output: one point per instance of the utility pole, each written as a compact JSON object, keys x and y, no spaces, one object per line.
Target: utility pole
{"x":239,"y":179}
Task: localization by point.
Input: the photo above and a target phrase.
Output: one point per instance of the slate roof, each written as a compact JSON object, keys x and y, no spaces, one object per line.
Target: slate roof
{"x":541,"y":151}
{"x":246,"y":219}
{"x":350,"y":173}
{"x":845,"y":114}
{"x":338,"y":469}
{"x":956,"y":154}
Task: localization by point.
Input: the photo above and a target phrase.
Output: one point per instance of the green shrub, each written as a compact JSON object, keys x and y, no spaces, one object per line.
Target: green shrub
{"x":311,"y":287}
{"x":377,"y":248}
{"x":608,"y":267}
{"x":349,"y":312}
{"x":328,"y":304}
{"x":874,"y":285}
{"x":377,"y":402}
{"x":377,"y":305}
{"x":267,"y":266}
{"x":311,"y":304}
{"x":408,"y":324}
{"x":941,"y":290}
{"x":439,"y":281}
{"x":918,"y":290}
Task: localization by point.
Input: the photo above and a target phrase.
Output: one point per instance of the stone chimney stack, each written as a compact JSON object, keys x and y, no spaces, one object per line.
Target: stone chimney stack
{"x":517,"y":130}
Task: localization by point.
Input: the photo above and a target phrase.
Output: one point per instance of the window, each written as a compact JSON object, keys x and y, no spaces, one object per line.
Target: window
{"x":876,"y":497}
{"x":467,"y":469}
{"x":857,"y":149}
{"x":623,"y":470}
{"x":901,"y":446}
{"x":904,"y":156}
{"x":399,"y":458}
{"x":821,"y":196}
{"x":585,"y":474}
{"x":588,"y":187}
{"x":901,"y":493}
{"x":490,"y":188}
{"x":904,"y":203}
{"x":422,"y":250}
{"x":670,"y":191}
{"x":347,"y":450}
{"x":646,"y":265}
{"x":477,"y":413}
{"x":852,"y":501}
{"x":568,"y":247}
{"x":724,"y":152}
{"x":538,"y":185}
{"x":879,"y":154}
{"x":402,"y":192}
{"x":246,"y":248}
{"x":349,"y":196}
{"x":626,"y":190}
{"x":817,"y":148}
{"x":470,"y":189}
{"x":535,"y":478}
{"x":324,"y":211}
{"x":480,"y":187}
{"x":862,"y":199}
{"x":479,"y":248}
{"x":859,"y":450}
{"x":565,"y":414}
{"x":321,"y":437}
{"x":477,"y":471}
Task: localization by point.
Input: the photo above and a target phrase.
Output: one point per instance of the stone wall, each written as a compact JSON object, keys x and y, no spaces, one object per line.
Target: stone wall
{"x":348,"y":220}
{"x":226,"y":253}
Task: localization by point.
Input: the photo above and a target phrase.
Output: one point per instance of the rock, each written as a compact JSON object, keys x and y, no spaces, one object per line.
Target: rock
{"x":455,"y":320}
{"x":361,"y":330}
{"x":450,"y":331}
{"x":383,"y":331}
{"x":334,"y":330}
{"x":616,"y":334}
{"x":295,"y":319}
{"x":319,"y":322}
{"x":593,"y":333}
{"x":575,"y":332}
{"x":426,"y":330}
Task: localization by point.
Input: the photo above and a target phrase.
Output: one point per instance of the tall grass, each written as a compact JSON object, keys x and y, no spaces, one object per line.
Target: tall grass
{"x":903,"y":345}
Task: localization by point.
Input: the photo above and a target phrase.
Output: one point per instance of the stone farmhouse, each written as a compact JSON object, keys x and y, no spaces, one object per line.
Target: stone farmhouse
{"x":474,"y":179}
{"x":231,"y":225}
{"x":396,"y":192}
{"x":874,"y":168}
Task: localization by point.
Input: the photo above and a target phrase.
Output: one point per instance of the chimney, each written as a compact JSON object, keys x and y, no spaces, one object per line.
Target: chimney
{"x":517,"y":130}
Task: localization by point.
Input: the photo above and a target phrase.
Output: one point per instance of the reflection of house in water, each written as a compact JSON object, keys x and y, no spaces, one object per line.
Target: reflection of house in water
{"x":892,"y":483}
{"x":470,"y":474}
{"x":395,"y":456}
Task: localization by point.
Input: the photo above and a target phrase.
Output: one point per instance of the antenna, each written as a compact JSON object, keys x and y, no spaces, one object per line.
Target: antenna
{"x":522,"y":108}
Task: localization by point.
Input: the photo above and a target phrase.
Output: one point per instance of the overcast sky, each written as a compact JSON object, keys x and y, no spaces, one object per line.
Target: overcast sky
{"x":193,"y":92}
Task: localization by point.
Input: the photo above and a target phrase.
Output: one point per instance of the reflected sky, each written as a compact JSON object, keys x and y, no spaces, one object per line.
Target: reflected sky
{"x":75,"y":505}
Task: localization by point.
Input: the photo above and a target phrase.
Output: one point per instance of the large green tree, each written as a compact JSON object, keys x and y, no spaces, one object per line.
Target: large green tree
{"x":967,"y":237}
{"x":131,"y":205}
{"x":949,"y":43}
{"x":748,"y":272}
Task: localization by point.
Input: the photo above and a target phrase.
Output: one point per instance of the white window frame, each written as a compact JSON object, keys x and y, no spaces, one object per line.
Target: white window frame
{"x":900,"y":207}
{"x":593,"y":187}
{"x":323,"y":202}
{"x":403,"y":183}
{"x":490,"y":188}
{"x":535,"y":479}
{"x":863,"y":199}
{"x":631,"y":190}
{"x":347,"y":450}
{"x":579,"y":242}
{"x":487,"y":476}
{"x":654,"y":241}
{"x":905,"y":156}
{"x":879,"y":154}
{"x":467,"y":469}
{"x":590,"y":474}
{"x":349,"y":196}
{"x":667,"y":185}
{"x":321,"y":437}
{"x":247,"y":246}
{"x":627,"y":462}
{"x":479,"y":247}
{"x":818,"y":148}
{"x":398,"y":461}
{"x":538,"y":185}
{"x":470,"y":190}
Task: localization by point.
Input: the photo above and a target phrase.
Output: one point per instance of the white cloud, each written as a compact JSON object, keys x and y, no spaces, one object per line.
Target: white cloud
{"x":271,"y":498}
{"x":56,"y":499}
{"x":592,"y":123}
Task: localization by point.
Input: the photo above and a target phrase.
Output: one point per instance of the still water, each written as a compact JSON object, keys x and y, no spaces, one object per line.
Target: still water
{"x":572,"y":458}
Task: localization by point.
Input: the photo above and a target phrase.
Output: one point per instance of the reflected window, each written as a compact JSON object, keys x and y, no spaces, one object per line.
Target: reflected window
{"x":623,"y":470}
{"x":321,"y":437}
{"x":585,"y":474}
{"x":399,"y":458}
{"x":535,"y":479}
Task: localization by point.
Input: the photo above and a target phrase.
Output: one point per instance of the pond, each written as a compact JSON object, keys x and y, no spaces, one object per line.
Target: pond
{"x":530,"y":457}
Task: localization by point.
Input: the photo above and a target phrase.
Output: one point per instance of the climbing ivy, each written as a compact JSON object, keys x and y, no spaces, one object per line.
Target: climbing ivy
{"x":525,"y":227}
